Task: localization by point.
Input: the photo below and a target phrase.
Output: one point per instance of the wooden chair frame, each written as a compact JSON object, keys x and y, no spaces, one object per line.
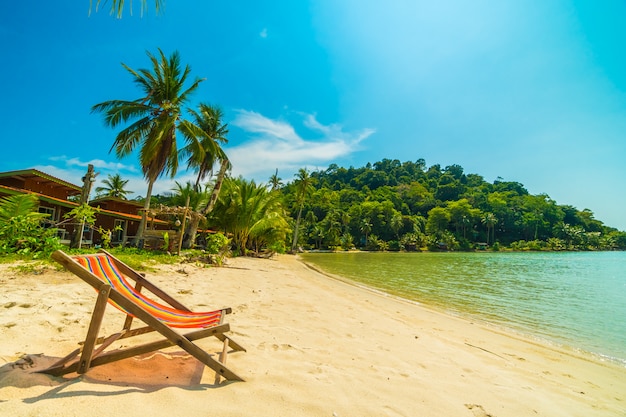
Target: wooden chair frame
{"x":92,"y":350}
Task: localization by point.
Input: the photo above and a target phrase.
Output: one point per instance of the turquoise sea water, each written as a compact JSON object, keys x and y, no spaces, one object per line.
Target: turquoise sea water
{"x":576,"y":299}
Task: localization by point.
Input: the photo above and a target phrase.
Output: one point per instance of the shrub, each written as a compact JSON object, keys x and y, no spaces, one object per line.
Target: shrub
{"x":21,"y":232}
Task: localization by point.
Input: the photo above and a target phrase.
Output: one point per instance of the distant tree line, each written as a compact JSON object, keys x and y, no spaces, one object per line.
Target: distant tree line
{"x":393,"y":205}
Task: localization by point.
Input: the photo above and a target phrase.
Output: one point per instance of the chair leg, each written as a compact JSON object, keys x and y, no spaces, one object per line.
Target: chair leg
{"x":222,"y":359}
{"x":94,"y":329}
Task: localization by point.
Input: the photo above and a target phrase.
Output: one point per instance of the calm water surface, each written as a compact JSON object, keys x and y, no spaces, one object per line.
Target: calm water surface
{"x":574,"y":299}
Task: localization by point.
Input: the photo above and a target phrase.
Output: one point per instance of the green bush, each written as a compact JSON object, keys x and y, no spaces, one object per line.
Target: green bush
{"x":216,"y":243}
{"x":21,"y":232}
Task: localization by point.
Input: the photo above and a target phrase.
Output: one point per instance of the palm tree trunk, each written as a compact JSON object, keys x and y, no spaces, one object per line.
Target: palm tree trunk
{"x":190,"y":232}
{"x":142,"y":224}
{"x":218,"y":186}
{"x":192,"y":228}
{"x":295,"y":232}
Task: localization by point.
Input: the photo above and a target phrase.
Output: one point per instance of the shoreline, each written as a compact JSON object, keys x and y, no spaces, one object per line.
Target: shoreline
{"x":501,"y":328}
{"x":605,"y":347}
{"x":316,"y":346}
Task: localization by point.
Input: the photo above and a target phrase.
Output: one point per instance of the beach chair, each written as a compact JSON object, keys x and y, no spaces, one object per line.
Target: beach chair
{"x":160,"y":313}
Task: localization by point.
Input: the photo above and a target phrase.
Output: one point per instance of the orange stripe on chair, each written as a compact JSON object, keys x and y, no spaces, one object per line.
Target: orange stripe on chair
{"x":103,"y":267}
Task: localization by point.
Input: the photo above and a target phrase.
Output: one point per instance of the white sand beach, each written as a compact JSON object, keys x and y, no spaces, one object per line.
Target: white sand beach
{"x":316,"y":346}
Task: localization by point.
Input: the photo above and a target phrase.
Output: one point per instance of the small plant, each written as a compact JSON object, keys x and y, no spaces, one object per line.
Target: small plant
{"x":166,"y":242}
{"x":218,"y":245}
{"x":106,"y":235}
{"x":84,"y":215}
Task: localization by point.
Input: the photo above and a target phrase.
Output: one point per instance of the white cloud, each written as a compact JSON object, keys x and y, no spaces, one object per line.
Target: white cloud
{"x":97,"y":163}
{"x":72,"y":169}
{"x":276,"y":144}
{"x":263,"y":33}
{"x":273,"y":144}
{"x":256,"y":123}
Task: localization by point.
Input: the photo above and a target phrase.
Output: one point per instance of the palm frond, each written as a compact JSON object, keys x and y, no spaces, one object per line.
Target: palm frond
{"x":117,"y":6}
{"x":19,"y":205}
{"x":127,"y":139}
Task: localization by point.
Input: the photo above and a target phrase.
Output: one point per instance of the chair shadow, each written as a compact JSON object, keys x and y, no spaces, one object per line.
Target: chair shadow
{"x":144,"y":374}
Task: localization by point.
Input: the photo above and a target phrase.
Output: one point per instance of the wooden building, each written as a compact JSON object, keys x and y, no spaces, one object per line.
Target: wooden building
{"x":58,"y":197}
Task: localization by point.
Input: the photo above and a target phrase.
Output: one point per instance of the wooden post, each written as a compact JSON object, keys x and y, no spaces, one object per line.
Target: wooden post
{"x":88,"y":179}
{"x":182,"y":226}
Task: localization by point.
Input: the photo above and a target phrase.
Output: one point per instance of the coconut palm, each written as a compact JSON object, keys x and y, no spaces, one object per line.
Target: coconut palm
{"x":186,"y":193}
{"x":366,"y":228}
{"x":304,"y":185}
{"x":251,"y":213}
{"x":275,"y":181}
{"x":396,"y":223}
{"x":490,"y":220}
{"x":202,"y":155}
{"x":155,"y":119}
{"x":113,"y":187}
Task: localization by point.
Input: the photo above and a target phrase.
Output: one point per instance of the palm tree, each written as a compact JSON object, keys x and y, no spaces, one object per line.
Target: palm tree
{"x":365,"y":227}
{"x":396,"y":223}
{"x":490,"y":220}
{"x":187,"y":194}
{"x":251,"y":213}
{"x":114,"y":187}
{"x":202,"y":155}
{"x":304,"y":185}
{"x":21,"y":205}
{"x":117,"y":6}
{"x":275,"y":181}
{"x":156,"y":117}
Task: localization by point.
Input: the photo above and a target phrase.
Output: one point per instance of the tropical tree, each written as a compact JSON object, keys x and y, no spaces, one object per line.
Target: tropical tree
{"x":202,"y":156}
{"x":156,"y":117}
{"x":304,"y":186}
{"x":396,"y":224}
{"x":204,"y":153}
{"x":438,"y":220}
{"x":252,"y":214}
{"x":114,"y":186}
{"x":186,"y":193}
{"x":365,"y":227}
{"x":490,"y":221}
{"x":275,"y":181}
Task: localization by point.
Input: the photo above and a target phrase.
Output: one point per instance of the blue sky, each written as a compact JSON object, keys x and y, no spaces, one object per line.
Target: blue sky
{"x":529,"y":91}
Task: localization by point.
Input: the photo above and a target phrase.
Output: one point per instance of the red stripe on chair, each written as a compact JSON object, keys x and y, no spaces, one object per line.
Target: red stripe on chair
{"x":103,"y":267}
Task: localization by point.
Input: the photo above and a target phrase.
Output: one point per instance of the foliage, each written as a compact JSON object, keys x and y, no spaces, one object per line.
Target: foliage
{"x":202,"y":154}
{"x":251,"y":213}
{"x":435,"y":207}
{"x":390,"y":205}
{"x":117,"y":6}
{"x":141,"y":259}
{"x":21,"y":232}
{"x":166,"y":241}
{"x":218,"y":246}
{"x":106,"y":235}
{"x":83,"y":213}
{"x":113,"y":187}
{"x":216,"y":243}
{"x":154,"y":119}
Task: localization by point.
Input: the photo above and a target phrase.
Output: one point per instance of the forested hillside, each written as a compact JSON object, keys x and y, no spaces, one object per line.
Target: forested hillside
{"x":393,"y":205}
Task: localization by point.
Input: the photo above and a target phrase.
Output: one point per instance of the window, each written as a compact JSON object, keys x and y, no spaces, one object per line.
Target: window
{"x":50,"y":220}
